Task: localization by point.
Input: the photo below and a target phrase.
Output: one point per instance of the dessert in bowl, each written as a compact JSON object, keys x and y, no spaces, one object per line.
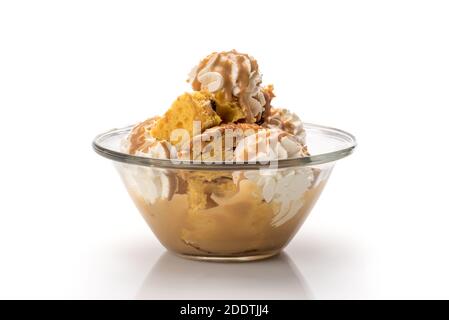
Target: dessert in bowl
{"x":223,"y":175}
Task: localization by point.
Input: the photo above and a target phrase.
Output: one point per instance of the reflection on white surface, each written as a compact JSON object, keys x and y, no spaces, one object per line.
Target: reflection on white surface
{"x":175,"y":278}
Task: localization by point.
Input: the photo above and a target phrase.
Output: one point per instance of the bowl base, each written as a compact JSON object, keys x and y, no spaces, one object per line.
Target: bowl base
{"x":248,"y":258}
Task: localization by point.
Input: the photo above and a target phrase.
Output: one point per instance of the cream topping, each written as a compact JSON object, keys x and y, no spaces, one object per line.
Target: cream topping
{"x":268,"y":145}
{"x":285,"y":187}
{"x":235,"y":73}
{"x":153,"y":183}
{"x":288,"y":121}
{"x":218,"y":143}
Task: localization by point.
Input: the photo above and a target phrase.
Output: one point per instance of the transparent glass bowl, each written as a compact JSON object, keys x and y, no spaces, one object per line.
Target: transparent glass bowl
{"x":227,"y":212}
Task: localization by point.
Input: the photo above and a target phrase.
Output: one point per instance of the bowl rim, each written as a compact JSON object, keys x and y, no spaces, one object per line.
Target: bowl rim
{"x":311,"y":160}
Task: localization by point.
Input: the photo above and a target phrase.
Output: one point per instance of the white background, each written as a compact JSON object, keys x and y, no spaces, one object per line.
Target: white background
{"x":72,"y":69}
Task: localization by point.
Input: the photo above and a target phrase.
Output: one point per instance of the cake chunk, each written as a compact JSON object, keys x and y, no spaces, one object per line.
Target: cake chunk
{"x":186,"y":109}
{"x":229,"y":111}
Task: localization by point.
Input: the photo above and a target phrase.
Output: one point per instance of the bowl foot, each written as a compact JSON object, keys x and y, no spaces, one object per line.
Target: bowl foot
{"x":248,"y":258}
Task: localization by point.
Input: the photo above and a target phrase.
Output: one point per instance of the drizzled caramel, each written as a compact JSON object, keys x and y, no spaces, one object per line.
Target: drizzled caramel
{"x":138,"y":138}
{"x":236,"y":69}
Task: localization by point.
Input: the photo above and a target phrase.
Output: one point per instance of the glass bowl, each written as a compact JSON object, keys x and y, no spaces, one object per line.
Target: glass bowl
{"x":227,"y":212}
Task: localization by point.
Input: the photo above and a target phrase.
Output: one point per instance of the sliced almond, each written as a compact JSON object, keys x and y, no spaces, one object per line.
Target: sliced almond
{"x":211,"y":81}
{"x":290,"y":145}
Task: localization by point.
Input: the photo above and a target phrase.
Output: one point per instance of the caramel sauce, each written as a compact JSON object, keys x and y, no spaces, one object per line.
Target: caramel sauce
{"x":137,"y":137}
{"x":222,"y":63}
{"x":238,"y":223}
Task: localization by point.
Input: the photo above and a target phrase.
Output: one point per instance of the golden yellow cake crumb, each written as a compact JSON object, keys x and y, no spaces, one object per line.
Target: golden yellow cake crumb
{"x":187,"y":108}
{"x":203,"y":187}
{"x":229,"y":111}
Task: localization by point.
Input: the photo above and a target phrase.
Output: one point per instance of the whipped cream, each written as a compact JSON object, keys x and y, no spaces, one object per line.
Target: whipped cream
{"x":140,"y":142}
{"x":218,"y":143}
{"x":268,"y":145}
{"x":286,"y":188}
{"x":288,"y":121}
{"x":153,"y":184}
{"x":242,"y":143}
{"x":235,"y":73}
